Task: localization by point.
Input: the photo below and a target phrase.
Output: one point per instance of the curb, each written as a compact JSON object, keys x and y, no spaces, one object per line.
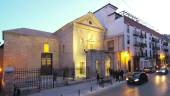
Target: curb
{"x":105,"y":88}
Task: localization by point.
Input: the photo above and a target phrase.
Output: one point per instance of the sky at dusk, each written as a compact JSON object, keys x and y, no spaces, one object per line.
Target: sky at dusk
{"x":50,"y":15}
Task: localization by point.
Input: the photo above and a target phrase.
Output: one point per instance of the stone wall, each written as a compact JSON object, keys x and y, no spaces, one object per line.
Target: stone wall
{"x":23,"y":51}
{"x":65,"y":38}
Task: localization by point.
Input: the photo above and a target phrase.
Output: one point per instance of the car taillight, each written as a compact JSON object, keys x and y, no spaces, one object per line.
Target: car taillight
{"x":0,"y":70}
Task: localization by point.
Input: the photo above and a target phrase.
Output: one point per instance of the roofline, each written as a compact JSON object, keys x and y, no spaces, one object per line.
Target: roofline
{"x":11,"y":30}
{"x":157,"y":33}
{"x":14,"y":33}
{"x":105,"y":6}
{"x":114,"y":13}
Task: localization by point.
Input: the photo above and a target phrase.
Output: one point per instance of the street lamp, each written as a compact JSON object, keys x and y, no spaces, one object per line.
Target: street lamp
{"x":162,"y":57}
{"x":125,"y":57}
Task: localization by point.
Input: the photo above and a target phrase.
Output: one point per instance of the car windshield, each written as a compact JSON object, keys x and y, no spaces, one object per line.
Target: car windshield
{"x":148,"y":68}
{"x":162,"y":69}
{"x":136,"y":75}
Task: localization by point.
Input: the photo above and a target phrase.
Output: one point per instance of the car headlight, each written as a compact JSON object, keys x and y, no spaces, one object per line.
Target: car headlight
{"x":157,"y":71}
{"x":127,"y":78}
{"x":136,"y":80}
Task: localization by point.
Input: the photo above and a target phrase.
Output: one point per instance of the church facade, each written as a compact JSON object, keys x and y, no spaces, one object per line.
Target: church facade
{"x":79,"y":45}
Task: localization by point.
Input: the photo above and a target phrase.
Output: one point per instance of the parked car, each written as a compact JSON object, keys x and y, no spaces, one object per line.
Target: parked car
{"x":148,"y":70}
{"x":162,"y":71}
{"x":137,"y":78}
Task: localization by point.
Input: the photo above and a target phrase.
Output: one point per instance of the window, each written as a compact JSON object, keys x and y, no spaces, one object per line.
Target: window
{"x":128,"y":48}
{"x":128,"y":39}
{"x":146,"y":53}
{"x":97,"y":66}
{"x":149,"y":44}
{"x":110,"y":45}
{"x":91,"y":41}
{"x":82,"y":68}
{"x":128,"y":28}
{"x":90,"y":22}
{"x":46,"y":47}
{"x":134,"y":29}
{"x":63,"y":48}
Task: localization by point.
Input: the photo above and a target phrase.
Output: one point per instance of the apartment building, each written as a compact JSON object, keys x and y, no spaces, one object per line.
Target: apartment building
{"x":143,"y":43}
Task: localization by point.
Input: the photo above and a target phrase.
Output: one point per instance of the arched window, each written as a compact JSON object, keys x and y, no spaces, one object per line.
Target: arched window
{"x":46,"y":47}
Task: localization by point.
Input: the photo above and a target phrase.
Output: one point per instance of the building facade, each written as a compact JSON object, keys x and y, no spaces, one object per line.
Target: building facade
{"x":142,"y":42}
{"x":91,"y":44}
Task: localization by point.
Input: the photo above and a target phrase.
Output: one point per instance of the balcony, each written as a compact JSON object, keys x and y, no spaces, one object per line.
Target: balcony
{"x":135,"y":33}
{"x":140,"y":54}
{"x":166,"y":50}
{"x":165,"y":43}
{"x":155,"y":48}
{"x":140,"y":44}
{"x":143,"y":45}
{"x":142,"y":35}
{"x":155,"y":40}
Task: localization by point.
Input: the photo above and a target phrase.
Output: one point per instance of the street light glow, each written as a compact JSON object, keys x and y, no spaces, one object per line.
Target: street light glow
{"x":162,"y":56}
{"x":125,"y":55}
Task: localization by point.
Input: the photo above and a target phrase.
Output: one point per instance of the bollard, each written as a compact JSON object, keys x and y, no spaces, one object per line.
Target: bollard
{"x":79,"y":92}
{"x":91,"y":88}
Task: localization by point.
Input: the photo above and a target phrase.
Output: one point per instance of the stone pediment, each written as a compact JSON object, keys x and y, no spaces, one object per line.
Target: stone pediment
{"x":89,"y":20}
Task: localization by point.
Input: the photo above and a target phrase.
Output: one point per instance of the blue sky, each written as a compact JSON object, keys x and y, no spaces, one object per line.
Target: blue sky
{"x":50,"y":15}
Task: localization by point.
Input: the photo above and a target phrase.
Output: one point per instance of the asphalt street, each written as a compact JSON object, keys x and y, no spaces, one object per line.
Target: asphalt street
{"x":158,"y":85}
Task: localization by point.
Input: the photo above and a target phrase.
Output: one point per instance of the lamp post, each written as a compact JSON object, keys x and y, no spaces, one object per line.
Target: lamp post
{"x":125,"y":57}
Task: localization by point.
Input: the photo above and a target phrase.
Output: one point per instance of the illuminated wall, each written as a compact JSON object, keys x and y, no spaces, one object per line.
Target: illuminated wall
{"x":86,"y":35}
{"x":22,"y":51}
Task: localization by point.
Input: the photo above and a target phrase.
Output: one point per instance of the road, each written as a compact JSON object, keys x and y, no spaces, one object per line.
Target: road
{"x":158,"y":85}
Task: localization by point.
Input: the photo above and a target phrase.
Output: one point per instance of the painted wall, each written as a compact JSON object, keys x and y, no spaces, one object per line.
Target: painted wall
{"x":107,"y":21}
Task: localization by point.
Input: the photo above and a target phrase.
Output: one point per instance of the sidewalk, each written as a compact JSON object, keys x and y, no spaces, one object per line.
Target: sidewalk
{"x":81,"y":89}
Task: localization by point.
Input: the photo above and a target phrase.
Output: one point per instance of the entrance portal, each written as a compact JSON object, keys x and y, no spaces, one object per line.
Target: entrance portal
{"x":46,"y":63}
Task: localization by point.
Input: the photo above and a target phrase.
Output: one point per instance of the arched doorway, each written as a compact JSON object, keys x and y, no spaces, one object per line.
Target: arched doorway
{"x":97,"y":67}
{"x":107,"y":66}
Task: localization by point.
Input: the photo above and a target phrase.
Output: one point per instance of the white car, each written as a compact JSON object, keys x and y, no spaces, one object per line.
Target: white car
{"x":163,"y":71}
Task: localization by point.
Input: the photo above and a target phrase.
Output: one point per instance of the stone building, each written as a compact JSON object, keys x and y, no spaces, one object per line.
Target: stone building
{"x":91,"y":44}
{"x":78,"y":45}
{"x":76,"y":40}
{"x":28,"y":49}
{"x":25,"y":47}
